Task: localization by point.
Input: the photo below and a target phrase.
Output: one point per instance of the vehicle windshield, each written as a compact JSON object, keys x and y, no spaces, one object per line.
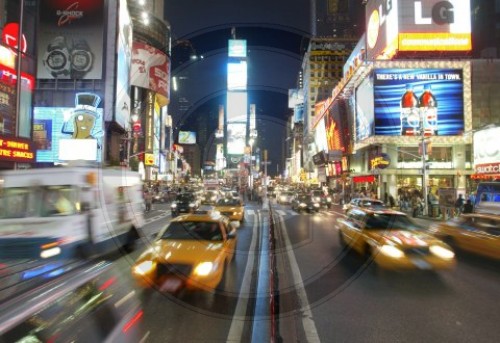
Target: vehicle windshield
{"x":390,"y":222}
{"x":185,"y":198}
{"x":228,"y":202}
{"x":45,"y":201}
{"x":371,"y":203}
{"x":304,"y":198}
{"x":197,"y":230}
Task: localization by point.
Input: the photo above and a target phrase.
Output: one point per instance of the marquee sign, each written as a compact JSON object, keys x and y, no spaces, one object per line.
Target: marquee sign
{"x":16,"y":149}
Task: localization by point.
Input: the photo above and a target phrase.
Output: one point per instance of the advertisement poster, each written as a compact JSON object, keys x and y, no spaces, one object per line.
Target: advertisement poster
{"x":150,"y":69}
{"x":70,"y":39}
{"x":408,"y":100}
{"x":76,"y":129}
{"x":236,"y":136}
{"x":187,"y":137}
{"x":123,"y":61}
{"x":364,"y":109}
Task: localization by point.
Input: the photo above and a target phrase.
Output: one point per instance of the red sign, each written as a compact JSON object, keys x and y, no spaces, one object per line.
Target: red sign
{"x":10,"y":34}
{"x":16,"y":150}
{"x":360,"y":179}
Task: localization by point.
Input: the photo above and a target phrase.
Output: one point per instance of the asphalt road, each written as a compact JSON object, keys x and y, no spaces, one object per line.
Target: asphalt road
{"x":328,"y":295}
{"x":224,"y":315}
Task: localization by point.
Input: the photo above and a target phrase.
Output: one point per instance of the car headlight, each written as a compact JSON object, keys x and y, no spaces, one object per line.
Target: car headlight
{"x":191,"y":205}
{"x":391,"y":251}
{"x":442,"y":252}
{"x":144,"y":267}
{"x":316,"y":205}
{"x":302,"y":204}
{"x":203,"y":269}
{"x":213,"y":198}
{"x":317,"y":199}
{"x":174,"y":205}
{"x":328,"y":199}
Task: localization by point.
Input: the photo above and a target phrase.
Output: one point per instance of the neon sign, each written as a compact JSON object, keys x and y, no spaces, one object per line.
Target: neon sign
{"x":16,"y":150}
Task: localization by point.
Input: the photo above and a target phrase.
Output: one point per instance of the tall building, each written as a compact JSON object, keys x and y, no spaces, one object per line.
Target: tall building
{"x":485,"y":28}
{"x":322,"y":69}
{"x":336,"y":18}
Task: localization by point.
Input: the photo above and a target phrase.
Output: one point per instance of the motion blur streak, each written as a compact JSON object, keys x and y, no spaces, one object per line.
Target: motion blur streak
{"x":133,"y":321}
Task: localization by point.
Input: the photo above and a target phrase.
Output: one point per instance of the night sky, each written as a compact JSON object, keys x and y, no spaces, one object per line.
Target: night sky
{"x":277,"y":34}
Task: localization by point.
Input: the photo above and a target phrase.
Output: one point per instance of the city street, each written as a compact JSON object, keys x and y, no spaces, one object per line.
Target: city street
{"x":328,"y":294}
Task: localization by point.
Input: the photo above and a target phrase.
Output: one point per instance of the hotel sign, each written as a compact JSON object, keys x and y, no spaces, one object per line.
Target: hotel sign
{"x":16,"y":149}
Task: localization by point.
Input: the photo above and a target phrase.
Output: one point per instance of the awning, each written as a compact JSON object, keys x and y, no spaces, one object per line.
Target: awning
{"x":364,"y":178}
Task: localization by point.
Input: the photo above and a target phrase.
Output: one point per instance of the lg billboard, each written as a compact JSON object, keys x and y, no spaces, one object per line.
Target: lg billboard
{"x":409,"y":25}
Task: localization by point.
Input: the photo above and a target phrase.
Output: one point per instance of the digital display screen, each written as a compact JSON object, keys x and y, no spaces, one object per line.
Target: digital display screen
{"x":410,"y":100}
{"x":187,"y":137}
{"x":55,"y":126}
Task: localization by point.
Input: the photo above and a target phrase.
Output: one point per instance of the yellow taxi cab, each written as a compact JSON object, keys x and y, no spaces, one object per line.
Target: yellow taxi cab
{"x":232,"y":208}
{"x":191,"y":252}
{"x":393,"y":240}
{"x":474,"y":232}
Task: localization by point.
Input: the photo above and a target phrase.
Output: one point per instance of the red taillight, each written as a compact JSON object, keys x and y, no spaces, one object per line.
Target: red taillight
{"x":108,"y":283}
{"x":132,"y":321}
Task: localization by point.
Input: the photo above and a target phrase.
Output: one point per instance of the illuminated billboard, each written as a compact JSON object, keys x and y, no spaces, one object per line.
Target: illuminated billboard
{"x":150,"y":69}
{"x":364,"y":110}
{"x":434,"y":25}
{"x":237,"y":106}
{"x":70,"y":39}
{"x":487,"y":154}
{"x":123,"y":63}
{"x":66,"y":133}
{"x":236,"y":138}
{"x":426,"y":25}
{"x":237,"y":76}
{"x":381,"y":27}
{"x":237,"y":48}
{"x":403,"y":97}
{"x":187,"y":137}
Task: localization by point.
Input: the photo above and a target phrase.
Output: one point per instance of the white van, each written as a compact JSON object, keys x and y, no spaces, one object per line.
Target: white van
{"x":69,"y":211}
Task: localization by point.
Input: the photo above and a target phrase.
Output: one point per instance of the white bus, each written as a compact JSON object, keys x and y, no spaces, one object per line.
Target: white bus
{"x":68,"y":212}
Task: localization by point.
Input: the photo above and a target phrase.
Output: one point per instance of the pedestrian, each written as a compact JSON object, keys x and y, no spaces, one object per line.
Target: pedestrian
{"x":392,"y":202}
{"x":148,"y":198}
{"x":459,"y":203}
{"x":468,"y":207}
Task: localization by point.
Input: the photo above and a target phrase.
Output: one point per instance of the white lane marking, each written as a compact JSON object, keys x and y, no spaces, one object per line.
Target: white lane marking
{"x":124,"y":299}
{"x":145,"y":337}
{"x":281,"y":212}
{"x":307,"y":317}
{"x":237,"y":323}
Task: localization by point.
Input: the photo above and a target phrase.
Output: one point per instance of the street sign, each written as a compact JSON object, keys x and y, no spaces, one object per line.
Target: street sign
{"x":149,"y":159}
{"x":267,"y":162}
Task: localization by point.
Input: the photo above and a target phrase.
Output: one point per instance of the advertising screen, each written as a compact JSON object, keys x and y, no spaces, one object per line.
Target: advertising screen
{"x":123,"y":62}
{"x":237,"y":76}
{"x":237,"y":48}
{"x":150,"y":69}
{"x":486,"y":154}
{"x":435,"y":25}
{"x":59,"y":130}
{"x":237,"y":106}
{"x":405,"y":96}
{"x":381,"y":27}
{"x":364,"y":109}
{"x":236,"y":138}
{"x":187,"y":137}
{"x":70,"y":40}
